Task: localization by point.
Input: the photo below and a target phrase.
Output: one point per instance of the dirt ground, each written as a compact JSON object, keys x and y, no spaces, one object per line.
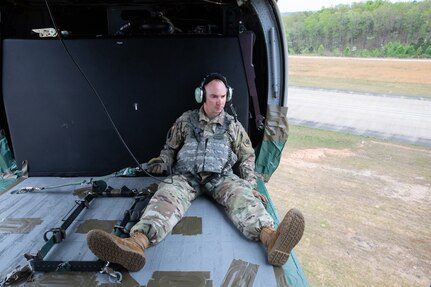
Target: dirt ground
{"x":388,"y":76}
{"x":366,"y":202}
{"x":405,"y":71}
{"x":367,"y":205}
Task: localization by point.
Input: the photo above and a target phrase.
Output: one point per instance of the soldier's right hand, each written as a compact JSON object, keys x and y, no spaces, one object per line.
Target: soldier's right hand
{"x":156,"y":166}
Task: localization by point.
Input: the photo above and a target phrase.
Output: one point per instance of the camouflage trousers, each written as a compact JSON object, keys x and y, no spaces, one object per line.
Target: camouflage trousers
{"x":171,"y":201}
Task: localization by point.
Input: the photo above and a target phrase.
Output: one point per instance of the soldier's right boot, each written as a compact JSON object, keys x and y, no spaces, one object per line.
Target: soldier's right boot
{"x":128,"y":252}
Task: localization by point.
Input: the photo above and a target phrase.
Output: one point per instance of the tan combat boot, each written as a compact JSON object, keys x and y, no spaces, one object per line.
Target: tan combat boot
{"x":279,"y":243}
{"x":128,"y":252}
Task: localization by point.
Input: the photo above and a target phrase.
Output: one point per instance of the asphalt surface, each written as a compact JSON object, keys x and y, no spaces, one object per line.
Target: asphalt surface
{"x":362,"y":59}
{"x":406,"y":119}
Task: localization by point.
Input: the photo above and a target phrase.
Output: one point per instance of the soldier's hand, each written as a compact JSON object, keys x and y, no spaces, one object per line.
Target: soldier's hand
{"x":260,"y":196}
{"x":156,"y":166}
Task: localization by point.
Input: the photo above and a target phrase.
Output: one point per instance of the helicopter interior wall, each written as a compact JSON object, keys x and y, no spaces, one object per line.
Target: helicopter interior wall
{"x":58,"y":125}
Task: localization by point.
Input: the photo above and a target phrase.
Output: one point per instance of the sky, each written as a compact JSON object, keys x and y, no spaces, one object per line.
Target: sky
{"x":314,"y":5}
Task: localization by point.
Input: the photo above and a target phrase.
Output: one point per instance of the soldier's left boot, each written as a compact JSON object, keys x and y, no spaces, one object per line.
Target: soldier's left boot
{"x":279,"y":243}
{"x":128,"y":252}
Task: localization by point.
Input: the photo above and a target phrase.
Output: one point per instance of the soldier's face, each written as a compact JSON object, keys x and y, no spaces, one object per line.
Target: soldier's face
{"x":215,"y":98}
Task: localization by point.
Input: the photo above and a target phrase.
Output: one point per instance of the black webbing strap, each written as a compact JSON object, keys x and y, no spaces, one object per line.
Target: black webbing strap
{"x":132,"y":215}
{"x":246,"y":41}
{"x":58,"y":234}
{"x":65,"y":266}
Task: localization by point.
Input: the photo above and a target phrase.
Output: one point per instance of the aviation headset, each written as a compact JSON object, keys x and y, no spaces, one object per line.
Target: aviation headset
{"x":200,"y":91}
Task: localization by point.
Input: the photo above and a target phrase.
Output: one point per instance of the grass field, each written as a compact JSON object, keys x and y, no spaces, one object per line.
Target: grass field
{"x":367,"y":202}
{"x":397,"y":77}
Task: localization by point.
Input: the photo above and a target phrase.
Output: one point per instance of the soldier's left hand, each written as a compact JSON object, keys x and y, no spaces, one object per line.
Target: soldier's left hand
{"x":260,"y":196}
{"x":156,"y":166}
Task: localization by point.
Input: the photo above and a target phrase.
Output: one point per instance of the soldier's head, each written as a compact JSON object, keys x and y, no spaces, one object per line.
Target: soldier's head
{"x":214,"y":91}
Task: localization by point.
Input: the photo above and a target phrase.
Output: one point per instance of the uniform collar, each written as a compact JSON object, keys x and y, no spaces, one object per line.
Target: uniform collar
{"x":218,"y":119}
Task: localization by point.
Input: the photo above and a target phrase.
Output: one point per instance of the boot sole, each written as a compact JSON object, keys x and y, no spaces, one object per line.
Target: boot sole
{"x":105,"y":248}
{"x":291,"y":230}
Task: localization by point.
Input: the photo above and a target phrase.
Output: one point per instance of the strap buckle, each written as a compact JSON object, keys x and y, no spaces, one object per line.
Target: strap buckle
{"x":29,"y":189}
{"x":58,"y":233}
{"x":63,"y":266}
{"x":16,"y":275}
{"x":46,"y":32}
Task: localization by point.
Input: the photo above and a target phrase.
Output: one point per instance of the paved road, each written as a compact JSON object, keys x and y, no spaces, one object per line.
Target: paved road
{"x":362,"y":59}
{"x":388,"y":117}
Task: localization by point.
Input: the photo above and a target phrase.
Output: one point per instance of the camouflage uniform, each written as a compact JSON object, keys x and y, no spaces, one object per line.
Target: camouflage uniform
{"x":234,"y":193}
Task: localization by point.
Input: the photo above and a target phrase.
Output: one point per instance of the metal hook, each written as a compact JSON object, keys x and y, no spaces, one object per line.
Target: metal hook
{"x":114,"y":276}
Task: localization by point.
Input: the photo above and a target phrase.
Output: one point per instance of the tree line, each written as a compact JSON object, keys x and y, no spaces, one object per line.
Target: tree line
{"x":376,"y":28}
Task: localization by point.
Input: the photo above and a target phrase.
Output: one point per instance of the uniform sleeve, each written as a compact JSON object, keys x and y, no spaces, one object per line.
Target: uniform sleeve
{"x":174,"y":141}
{"x":245,"y":152}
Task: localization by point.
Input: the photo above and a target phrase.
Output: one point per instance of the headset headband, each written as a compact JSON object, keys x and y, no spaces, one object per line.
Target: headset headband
{"x":212,"y":77}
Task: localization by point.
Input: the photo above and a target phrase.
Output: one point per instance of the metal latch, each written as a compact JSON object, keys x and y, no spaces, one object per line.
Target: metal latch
{"x":16,"y":275}
{"x":114,"y":276}
{"x":46,"y":32}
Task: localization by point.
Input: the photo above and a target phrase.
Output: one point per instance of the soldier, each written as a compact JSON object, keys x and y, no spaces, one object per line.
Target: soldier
{"x":202,"y":149}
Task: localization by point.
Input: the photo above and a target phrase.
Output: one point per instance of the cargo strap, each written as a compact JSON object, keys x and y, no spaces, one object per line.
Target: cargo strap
{"x":246,"y":41}
{"x":65,"y":266}
{"x":128,"y":171}
{"x":58,"y":234}
{"x":132,"y":215}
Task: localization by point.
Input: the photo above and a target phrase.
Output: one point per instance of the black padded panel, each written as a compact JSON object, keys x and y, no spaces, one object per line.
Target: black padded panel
{"x":58,"y":125}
